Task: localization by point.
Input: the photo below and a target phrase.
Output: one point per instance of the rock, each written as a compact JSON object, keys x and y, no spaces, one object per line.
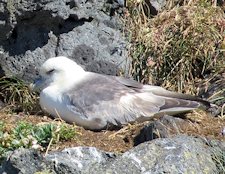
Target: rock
{"x":164,"y":127}
{"x":87,"y":31}
{"x":156,"y":5}
{"x":152,"y":7}
{"x":181,"y":154}
{"x":78,"y":159}
{"x":24,"y":161}
{"x":70,"y":160}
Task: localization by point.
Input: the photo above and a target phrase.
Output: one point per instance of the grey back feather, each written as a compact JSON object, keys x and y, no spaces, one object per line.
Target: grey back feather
{"x":98,"y":98}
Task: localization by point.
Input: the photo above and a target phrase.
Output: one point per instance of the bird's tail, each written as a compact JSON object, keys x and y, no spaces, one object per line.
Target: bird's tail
{"x":180,"y":97}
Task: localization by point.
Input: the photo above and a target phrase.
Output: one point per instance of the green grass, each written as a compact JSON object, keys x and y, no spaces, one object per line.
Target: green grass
{"x":28,"y":135}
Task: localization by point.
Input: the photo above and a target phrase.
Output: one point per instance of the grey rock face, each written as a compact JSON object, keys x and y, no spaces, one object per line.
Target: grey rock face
{"x":181,"y":154}
{"x":86,"y":31}
{"x":70,"y":160}
{"x":24,"y":161}
{"x":78,"y":159}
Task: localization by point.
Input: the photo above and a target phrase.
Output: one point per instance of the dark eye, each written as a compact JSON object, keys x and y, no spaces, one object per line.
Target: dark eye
{"x":50,"y":71}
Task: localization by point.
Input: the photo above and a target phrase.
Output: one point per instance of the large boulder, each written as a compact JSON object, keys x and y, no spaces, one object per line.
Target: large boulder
{"x":181,"y":154}
{"x":86,"y":31}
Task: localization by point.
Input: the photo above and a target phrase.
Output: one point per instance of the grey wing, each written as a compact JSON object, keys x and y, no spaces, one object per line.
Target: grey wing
{"x":171,"y":98}
{"x":128,"y":82}
{"x":99,"y":98}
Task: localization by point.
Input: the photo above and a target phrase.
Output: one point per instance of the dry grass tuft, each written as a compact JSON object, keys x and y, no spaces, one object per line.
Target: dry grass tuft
{"x":16,"y":94}
{"x":179,"y":46}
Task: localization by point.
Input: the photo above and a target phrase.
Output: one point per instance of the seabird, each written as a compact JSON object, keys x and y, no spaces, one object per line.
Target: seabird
{"x":96,"y":101}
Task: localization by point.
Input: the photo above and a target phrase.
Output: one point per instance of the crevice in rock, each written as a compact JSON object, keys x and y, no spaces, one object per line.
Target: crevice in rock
{"x":57,"y":46}
{"x":2,"y":73}
{"x":14,"y":34}
{"x":70,"y":23}
{"x":71,"y":4}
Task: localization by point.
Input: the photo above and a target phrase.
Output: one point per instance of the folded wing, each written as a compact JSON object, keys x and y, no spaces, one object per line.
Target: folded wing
{"x":114,"y":100}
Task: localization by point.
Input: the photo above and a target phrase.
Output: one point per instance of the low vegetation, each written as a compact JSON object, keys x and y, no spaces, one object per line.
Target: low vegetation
{"x":218,"y":156}
{"x":28,"y":135}
{"x":16,"y":94}
{"x":179,"y":46}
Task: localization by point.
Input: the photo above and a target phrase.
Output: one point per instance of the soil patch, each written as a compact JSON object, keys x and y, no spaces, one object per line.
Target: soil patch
{"x":123,"y":139}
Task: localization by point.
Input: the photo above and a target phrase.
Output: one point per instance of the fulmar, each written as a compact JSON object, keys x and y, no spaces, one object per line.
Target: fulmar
{"x":96,"y":101}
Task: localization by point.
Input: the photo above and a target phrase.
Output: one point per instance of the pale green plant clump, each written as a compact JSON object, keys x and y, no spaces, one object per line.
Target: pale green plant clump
{"x":28,"y":135}
{"x":179,"y":46}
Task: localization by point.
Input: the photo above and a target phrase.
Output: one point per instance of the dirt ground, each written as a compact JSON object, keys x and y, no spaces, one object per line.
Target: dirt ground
{"x":123,"y":139}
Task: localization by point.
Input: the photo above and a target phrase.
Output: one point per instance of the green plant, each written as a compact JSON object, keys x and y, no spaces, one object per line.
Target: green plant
{"x":28,"y":135}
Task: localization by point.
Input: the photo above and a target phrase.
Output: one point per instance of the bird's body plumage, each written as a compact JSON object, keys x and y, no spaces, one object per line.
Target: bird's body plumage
{"x":96,"y":101}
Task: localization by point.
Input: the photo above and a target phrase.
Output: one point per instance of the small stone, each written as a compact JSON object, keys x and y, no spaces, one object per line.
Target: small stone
{"x":223,"y":131}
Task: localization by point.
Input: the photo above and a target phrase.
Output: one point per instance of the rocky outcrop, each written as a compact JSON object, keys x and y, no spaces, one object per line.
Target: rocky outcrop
{"x":86,"y":31}
{"x":165,"y":127}
{"x":181,"y":154}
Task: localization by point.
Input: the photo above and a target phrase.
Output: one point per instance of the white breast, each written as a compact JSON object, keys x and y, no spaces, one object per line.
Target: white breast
{"x":52,"y":101}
